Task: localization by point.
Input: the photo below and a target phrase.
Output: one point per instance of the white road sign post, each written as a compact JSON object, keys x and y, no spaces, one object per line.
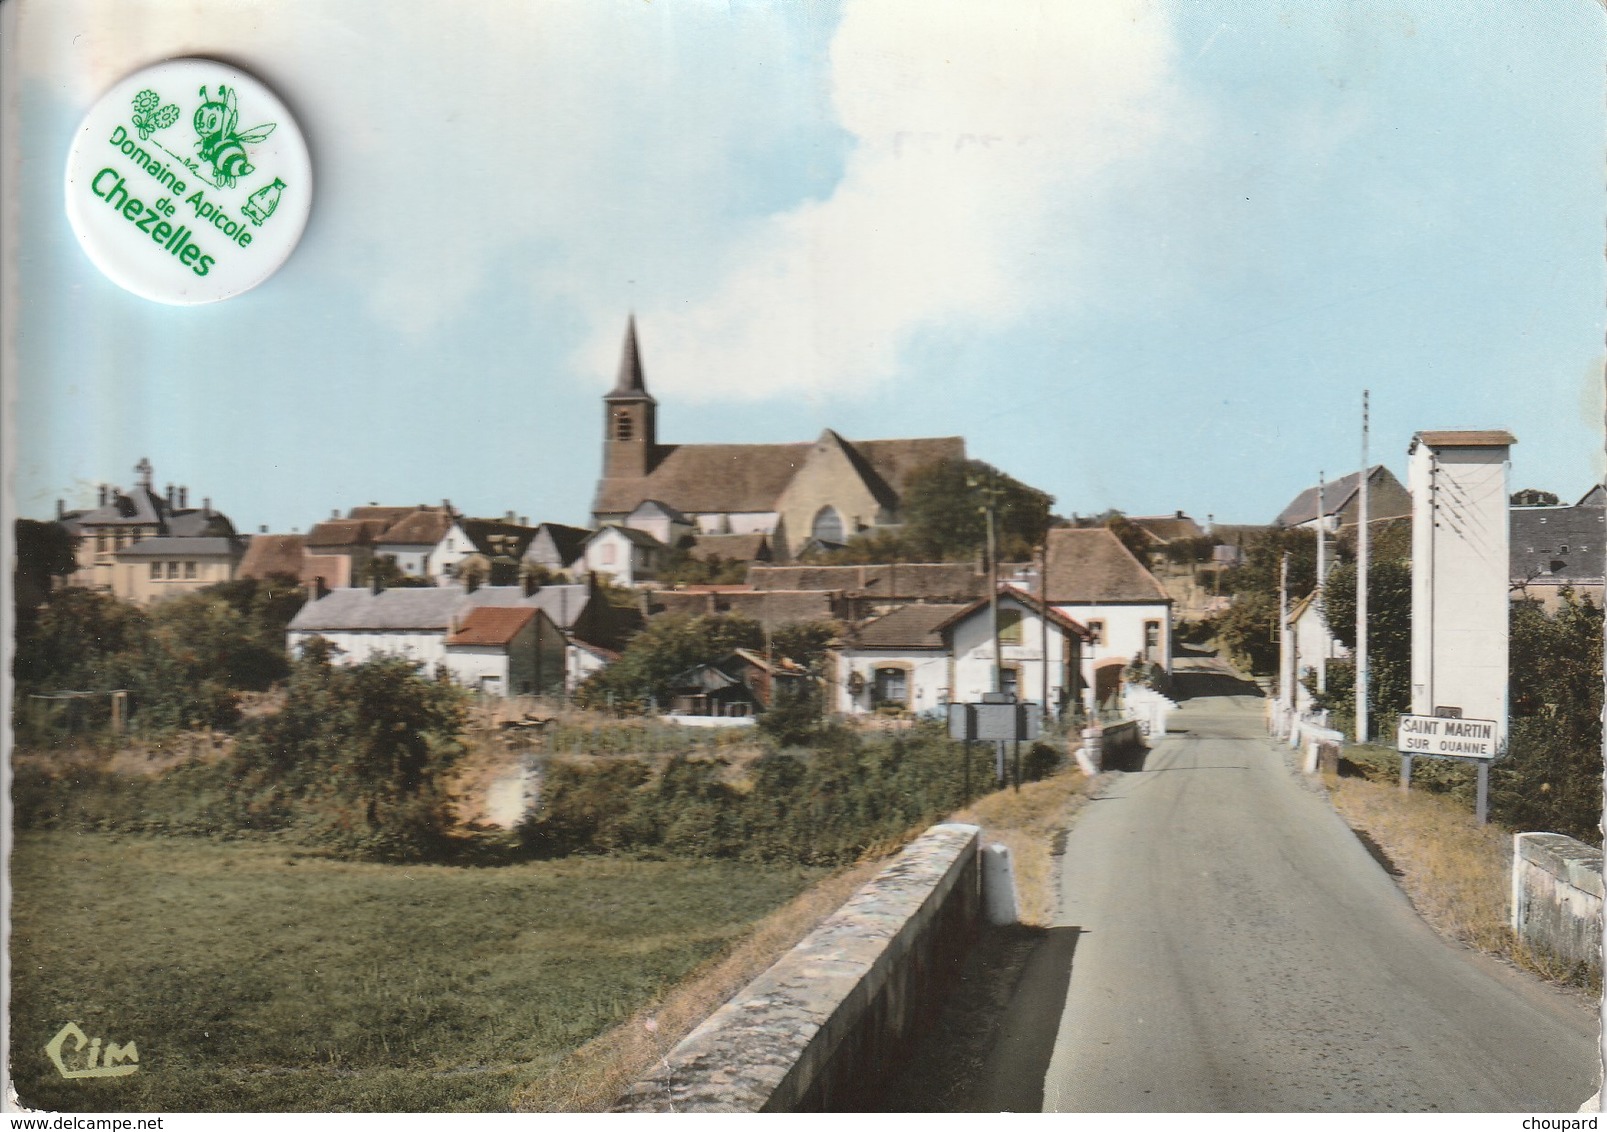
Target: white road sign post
{"x":1443,"y":737}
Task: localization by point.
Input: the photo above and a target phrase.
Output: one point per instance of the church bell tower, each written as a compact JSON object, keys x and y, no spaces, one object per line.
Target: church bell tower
{"x":630,"y":427}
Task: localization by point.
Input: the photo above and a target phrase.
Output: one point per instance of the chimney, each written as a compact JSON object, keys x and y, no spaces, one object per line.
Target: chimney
{"x":103,"y":495}
{"x":316,"y":589}
{"x":184,"y":497}
{"x":334,"y":512}
{"x":1180,"y":515}
{"x":524,"y":520}
{"x":206,"y":506}
{"x":471,"y":581}
{"x":376,"y":585}
{"x":61,"y":510}
{"x":531,"y":585}
{"x":262,"y":530}
{"x":171,"y":497}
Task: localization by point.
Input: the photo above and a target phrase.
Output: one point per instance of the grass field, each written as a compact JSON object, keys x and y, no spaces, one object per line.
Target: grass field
{"x":255,"y":979}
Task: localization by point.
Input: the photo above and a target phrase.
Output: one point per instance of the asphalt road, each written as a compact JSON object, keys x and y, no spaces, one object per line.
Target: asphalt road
{"x":1232,"y":947}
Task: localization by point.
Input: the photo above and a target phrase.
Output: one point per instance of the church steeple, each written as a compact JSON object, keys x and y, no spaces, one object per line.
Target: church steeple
{"x":630,"y":428}
{"x":630,"y":385}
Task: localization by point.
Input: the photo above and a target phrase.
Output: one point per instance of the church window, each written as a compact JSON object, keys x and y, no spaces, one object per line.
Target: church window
{"x":828,"y":525}
{"x":624,"y":427}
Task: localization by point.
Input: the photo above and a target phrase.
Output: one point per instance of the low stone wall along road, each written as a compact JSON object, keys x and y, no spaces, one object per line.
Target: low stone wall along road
{"x":1238,"y":950}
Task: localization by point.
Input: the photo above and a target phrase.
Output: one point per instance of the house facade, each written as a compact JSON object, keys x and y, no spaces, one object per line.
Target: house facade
{"x":157,"y":568}
{"x":802,"y":494}
{"x":1095,"y":580}
{"x":507,"y":651}
{"x":920,"y":658}
{"x":627,"y":556}
{"x":121,"y":519}
{"x":1557,"y":547}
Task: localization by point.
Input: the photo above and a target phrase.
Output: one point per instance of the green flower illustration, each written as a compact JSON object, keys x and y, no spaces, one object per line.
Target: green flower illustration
{"x":149,"y":115}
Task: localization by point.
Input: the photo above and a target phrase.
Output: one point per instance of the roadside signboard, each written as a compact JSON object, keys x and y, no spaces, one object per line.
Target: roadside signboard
{"x":1446,"y":738}
{"x":992,"y":722}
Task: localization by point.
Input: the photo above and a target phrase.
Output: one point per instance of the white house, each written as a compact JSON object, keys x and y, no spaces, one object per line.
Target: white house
{"x":415,"y":541}
{"x":1314,"y":646}
{"x":1095,"y":580}
{"x":628,"y":556}
{"x":922,"y":657}
{"x":440,"y":625}
{"x":507,"y":651}
{"x":660,"y":520}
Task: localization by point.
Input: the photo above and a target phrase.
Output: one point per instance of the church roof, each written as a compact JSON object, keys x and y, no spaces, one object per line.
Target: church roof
{"x":1336,"y":496}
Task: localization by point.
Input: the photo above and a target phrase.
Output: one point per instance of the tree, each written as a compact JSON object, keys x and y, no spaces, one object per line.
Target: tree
{"x":1248,"y":630}
{"x":1389,"y":640}
{"x":1550,"y":779}
{"x":360,"y":754}
{"x":666,"y":648}
{"x":45,"y":551}
{"x":945,"y":518}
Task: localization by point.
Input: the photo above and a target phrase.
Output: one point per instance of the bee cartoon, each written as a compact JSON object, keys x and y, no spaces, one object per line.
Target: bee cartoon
{"x":221,"y":143}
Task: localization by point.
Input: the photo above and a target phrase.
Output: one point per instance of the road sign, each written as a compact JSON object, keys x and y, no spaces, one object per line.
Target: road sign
{"x":993,"y":722}
{"x":1446,"y":738}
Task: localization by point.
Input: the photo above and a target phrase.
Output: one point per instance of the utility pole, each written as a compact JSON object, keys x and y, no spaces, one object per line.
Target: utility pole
{"x":1322,"y":577}
{"x":1362,"y":535}
{"x":1286,"y":698}
{"x":1043,"y":621}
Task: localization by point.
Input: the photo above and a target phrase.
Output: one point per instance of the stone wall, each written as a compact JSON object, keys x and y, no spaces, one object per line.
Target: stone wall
{"x":817,"y":1030}
{"x":1557,"y":897}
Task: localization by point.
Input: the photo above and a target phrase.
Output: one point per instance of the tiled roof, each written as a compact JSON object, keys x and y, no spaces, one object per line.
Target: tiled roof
{"x":909,"y":627}
{"x":728,"y":478}
{"x":385,"y":515}
{"x":1089,"y":565}
{"x":344,"y":532}
{"x":901,"y":581}
{"x":770,"y":608}
{"x":137,"y":506}
{"x":732,"y":548}
{"x":1557,"y":545}
{"x":403,"y":607}
{"x":334,"y":569}
{"x":563,"y":604}
{"x":716,"y":478}
{"x":169,"y":547}
{"x":273,"y":554}
{"x":491,"y":626}
{"x":1166,"y":528}
{"x":421,"y":528}
{"x":660,"y":508}
{"x":197,"y":523}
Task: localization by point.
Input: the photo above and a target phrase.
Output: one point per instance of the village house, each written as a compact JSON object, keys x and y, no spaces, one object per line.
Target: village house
{"x":121,"y":520}
{"x":1340,"y":502}
{"x":507,"y":650}
{"x":557,"y":548}
{"x":624,"y":555}
{"x":920,"y":658}
{"x":424,"y":623}
{"x":800,"y":495}
{"x":1095,"y":580}
{"x":156,"y":568}
{"x":1559,"y":547}
{"x":1314,"y":646}
{"x":738,"y":686}
{"x":269,"y":556}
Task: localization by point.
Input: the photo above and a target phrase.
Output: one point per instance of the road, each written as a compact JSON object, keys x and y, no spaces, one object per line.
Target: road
{"x":1232,"y":947}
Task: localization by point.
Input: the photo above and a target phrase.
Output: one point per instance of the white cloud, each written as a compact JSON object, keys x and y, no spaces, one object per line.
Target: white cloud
{"x":975,"y":128}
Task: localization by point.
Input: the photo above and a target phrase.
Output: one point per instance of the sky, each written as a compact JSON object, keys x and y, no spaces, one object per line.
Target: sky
{"x":1141,"y":255}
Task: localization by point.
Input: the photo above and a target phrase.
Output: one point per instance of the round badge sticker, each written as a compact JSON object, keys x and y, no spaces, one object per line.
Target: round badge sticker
{"x":188,"y":183}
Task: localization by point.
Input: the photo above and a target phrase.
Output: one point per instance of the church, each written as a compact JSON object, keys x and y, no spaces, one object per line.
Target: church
{"x":812,"y":494}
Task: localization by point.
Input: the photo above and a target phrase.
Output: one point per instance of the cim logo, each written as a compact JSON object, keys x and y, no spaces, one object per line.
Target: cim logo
{"x":120,"y":1061}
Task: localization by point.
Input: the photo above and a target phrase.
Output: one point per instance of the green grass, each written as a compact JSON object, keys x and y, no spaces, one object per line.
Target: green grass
{"x":254,"y":979}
